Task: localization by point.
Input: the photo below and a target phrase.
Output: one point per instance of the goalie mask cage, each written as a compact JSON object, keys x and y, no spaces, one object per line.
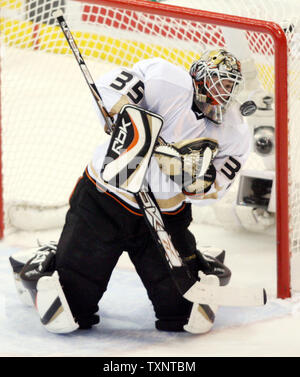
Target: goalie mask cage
{"x":49,"y":128}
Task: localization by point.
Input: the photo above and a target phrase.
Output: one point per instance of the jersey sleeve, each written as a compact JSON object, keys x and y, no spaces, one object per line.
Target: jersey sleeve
{"x":119,"y":87}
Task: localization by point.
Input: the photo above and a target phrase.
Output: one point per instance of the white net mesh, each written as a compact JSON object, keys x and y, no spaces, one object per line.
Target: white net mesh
{"x":49,"y":126}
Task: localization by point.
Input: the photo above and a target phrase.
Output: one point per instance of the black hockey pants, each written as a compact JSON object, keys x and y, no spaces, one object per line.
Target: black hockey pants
{"x":97,"y":230}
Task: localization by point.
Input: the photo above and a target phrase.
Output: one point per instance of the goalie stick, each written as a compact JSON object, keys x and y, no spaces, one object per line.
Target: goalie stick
{"x":191,"y":288}
{"x":188,"y":285}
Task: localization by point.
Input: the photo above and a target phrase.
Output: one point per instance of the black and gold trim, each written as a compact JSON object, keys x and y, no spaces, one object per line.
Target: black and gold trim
{"x":104,"y":190}
{"x":53,"y":312}
{"x":207,"y":313}
{"x":163,"y":203}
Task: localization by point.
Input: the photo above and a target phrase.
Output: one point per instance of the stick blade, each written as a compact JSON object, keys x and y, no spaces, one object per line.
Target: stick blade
{"x":226,"y":295}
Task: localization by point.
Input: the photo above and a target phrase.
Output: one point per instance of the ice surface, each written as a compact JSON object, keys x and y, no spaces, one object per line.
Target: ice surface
{"x":127,"y":317}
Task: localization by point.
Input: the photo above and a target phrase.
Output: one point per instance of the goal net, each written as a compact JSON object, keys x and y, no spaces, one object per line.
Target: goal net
{"x":49,"y":128}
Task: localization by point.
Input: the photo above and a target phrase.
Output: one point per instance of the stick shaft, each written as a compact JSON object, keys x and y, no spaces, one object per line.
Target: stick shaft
{"x":84,"y":69}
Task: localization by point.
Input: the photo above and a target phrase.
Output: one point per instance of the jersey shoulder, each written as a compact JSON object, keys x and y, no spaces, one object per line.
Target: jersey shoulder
{"x":233,"y":134}
{"x":164,"y":71}
{"x":234,"y":120}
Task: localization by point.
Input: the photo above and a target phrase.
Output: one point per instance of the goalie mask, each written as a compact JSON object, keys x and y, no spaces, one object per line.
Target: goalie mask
{"x":217,"y":79}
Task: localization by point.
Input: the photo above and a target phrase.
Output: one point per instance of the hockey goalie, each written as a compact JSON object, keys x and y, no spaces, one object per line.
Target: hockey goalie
{"x":201,"y":146}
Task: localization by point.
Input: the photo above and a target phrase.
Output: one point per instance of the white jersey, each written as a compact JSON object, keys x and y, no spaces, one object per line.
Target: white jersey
{"x":167,"y":90}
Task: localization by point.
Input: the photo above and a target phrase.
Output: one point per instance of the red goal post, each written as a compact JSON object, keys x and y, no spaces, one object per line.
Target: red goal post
{"x":280,"y":93}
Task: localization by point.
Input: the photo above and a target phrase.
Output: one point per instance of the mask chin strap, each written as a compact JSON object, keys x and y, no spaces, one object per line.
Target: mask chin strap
{"x":213,"y":112}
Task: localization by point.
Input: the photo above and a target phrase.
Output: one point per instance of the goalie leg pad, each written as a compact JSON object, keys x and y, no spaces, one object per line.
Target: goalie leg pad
{"x":17,"y":262}
{"x":37,"y":284}
{"x":42,"y":263}
{"x":202,"y":317}
{"x":52,"y":306}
